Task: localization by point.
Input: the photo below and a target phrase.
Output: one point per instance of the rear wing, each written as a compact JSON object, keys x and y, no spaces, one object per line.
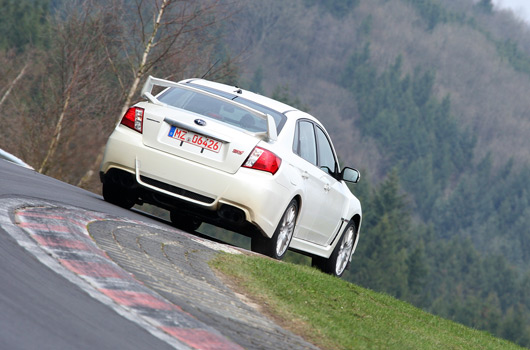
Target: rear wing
{"x":270,"y":135}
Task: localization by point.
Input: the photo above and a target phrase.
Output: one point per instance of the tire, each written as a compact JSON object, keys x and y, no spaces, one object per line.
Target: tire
{"x":277,"y":245}
{"x":184,"y":222}
{"x":339,"y":260}
{"x":117,"y":195}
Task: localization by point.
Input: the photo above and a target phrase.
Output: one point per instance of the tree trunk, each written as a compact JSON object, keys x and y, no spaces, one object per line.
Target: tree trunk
{"x":140,"y":72}
{"x":56,"y":134}
{"x":10,"y":87}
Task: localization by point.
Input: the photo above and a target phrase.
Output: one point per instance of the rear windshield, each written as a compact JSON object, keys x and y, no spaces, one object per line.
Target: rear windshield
{"x":217,"y":109}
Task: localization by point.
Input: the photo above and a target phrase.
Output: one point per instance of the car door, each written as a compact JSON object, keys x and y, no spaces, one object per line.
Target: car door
{"x":332,"y":200}
{"x":322,"y":200}
{"x":306,"y":168}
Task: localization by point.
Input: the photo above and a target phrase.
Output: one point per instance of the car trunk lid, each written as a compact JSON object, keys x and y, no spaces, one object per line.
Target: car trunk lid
{"x":196,"y":138}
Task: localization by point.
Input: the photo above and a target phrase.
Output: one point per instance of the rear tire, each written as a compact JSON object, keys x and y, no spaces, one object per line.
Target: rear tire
{"x":117,"y":195}
{"x":184,"y":222}
{"x":277,"y":245}
{"x":339,"y":260}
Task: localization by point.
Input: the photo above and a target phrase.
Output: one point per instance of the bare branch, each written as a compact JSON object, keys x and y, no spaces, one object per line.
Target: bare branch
{"x":56,"y":135}
{"x":12,"y":84}
{"x":112,"y":64}
{"x":78,"y":63}
{"x":141,"y":69}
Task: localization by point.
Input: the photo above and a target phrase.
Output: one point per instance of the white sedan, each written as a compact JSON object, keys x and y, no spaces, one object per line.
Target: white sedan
{"x":214,"y":153}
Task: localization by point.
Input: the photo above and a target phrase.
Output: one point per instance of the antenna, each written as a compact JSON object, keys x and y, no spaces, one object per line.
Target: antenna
{"x":209,"y":69}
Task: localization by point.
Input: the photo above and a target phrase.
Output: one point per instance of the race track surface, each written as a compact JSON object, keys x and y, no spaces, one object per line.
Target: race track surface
{"x":80,"y":273}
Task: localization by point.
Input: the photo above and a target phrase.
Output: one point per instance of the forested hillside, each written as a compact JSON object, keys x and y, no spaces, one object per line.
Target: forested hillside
{"x":428,"y":98}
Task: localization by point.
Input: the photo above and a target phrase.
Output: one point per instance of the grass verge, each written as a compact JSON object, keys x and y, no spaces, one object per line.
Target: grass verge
{"x":335,"y":314}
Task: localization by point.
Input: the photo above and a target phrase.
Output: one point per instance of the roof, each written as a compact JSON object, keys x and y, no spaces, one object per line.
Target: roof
{"x":249,"y":95}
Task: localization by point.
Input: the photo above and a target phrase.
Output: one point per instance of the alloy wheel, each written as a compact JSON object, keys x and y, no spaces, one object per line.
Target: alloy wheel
{"x":345,"y":250}
{"x":286,"y":230}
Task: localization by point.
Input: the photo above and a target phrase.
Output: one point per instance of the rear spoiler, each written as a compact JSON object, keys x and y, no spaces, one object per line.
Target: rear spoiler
{"x":270,"y":135}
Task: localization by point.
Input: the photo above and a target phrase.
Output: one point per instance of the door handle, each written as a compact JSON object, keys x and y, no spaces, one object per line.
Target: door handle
{"x":305,"y":175}
{"x":326,"y":187}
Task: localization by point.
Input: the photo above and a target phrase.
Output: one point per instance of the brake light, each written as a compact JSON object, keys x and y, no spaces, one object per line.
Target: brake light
{"x":134,"y":119}
{"x":261,"y":159}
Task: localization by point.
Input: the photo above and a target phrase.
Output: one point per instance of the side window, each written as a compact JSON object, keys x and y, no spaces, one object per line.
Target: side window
{"x":304,"y":142}
{"x":325,"y":152}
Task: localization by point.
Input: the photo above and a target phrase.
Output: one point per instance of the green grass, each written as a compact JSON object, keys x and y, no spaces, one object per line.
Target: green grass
{"x":334,"y":314}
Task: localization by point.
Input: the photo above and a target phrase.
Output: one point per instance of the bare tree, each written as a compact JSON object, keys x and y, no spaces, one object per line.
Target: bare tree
{"x":165,"y":33}
{"x":15,"y":67}
{"x":75,"y":66}
{"x":71,"y":95}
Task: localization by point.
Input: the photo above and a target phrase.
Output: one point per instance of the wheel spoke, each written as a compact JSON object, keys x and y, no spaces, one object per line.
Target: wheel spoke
{"x":344,"y":251}
{"x":286,"y":230}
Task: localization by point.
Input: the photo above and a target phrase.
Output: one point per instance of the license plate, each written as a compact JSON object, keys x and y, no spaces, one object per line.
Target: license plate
{"x":195,"y":139}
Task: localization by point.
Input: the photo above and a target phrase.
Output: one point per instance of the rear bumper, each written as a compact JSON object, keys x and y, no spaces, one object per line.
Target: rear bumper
{"x":261,"y":196}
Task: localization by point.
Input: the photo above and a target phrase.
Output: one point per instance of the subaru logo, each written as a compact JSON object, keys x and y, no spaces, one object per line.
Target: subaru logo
{"x":200,"y":122}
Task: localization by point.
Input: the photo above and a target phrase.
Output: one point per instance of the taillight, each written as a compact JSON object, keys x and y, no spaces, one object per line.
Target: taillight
{"x":134,"y":119}
{"x":261,"y":159}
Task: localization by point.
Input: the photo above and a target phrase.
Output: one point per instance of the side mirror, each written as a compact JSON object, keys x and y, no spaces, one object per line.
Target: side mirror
{"x":350,"y":175}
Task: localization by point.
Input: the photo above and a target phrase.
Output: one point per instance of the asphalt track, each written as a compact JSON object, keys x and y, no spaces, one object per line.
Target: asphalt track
{"x":79,"y":273}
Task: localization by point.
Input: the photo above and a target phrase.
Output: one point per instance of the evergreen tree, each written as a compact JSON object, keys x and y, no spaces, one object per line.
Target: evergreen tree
{"x":470,"y":208}
{"x":485,"y":5}
{"x":417,"y":132}
{"x":385,"y":260}
{"x":22,"y":23}
{"x":283,"y":94}
{"x":431,"y":12}
{"x":256,"y":84}
{"x":337,"y":8}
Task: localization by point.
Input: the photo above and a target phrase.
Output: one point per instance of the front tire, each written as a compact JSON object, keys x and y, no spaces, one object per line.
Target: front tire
{"x":277,"y":245}
{"x":339,"y":259}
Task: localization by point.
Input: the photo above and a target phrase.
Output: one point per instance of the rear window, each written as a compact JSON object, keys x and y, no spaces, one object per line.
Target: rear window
{"x":279,"y":118}
{"x":213,"y":108}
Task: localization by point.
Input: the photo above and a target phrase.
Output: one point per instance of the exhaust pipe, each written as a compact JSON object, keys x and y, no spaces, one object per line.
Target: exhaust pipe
{"x":232,"y":214}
